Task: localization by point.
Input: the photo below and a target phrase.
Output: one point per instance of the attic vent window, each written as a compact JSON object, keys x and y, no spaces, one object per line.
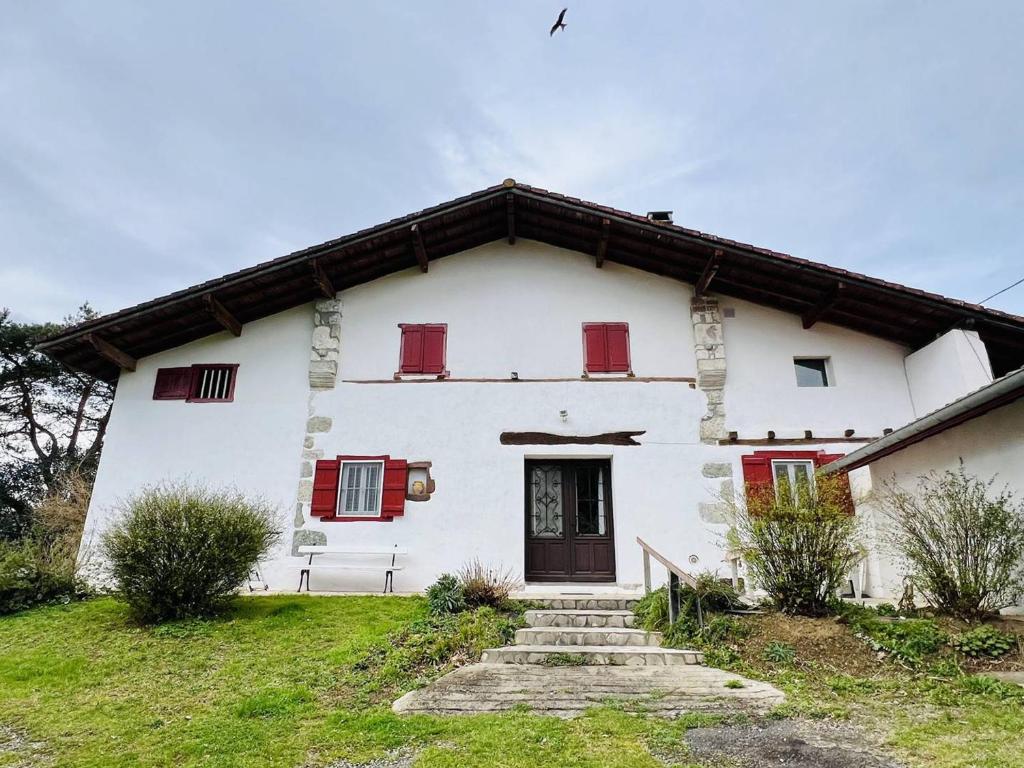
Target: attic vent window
{"x":812,"y":372}
{"x":660,"y":217}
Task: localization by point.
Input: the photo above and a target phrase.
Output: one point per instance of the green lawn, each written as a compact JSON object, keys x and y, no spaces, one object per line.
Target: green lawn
{"x":270,"y":686}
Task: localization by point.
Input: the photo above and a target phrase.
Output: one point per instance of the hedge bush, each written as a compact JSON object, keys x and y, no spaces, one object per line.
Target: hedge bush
{"x":180,"y":551}
{"x":29,"y":575}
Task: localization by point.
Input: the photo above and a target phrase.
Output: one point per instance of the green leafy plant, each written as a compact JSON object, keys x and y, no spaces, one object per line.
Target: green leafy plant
{"x":180,"y":551}
{"x":779,"y":653}
{"x":486,"y":585}
{"x":734,"y":684}
{"x":886,"y":609}
{"x":446,"y":595}
{"x":910,"y":641}
{"x":798,"y":547}
{"x":962,"y":539}
{"x":983,"y":641}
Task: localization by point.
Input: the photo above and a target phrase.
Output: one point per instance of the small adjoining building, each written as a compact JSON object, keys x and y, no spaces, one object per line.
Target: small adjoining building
{"x":524,"y":378}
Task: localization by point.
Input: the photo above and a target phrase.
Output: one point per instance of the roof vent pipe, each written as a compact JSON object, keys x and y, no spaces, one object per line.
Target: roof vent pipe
{"x":660,"y":217}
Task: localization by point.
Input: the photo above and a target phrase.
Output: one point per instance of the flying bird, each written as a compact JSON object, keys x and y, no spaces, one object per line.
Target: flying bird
{"x":558,"y":24}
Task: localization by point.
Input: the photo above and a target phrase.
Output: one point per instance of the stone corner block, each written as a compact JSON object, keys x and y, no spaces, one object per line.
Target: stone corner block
{"x":715,"y":513}
{"x":319,"y":424}
{"x":717,"y":469}
{"x":305,"y":537}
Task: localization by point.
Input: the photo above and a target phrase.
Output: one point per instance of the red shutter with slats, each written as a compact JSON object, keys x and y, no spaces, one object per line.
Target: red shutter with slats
{"x":433,"y":348}
{"x":595,"y":347}
{"x":172,"y":383}
{"x":396,"y":479}
{"x":412,"y":349}
{"x":617,"y":342}
{"x":757,"y":480}
{"x":842,"y":478}
{"x":325,"y":488}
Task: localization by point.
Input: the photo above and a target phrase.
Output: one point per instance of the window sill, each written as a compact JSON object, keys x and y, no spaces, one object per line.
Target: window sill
{"x":364,"y":519}
{"x":608,"y":375}
{"x":399,"y":376}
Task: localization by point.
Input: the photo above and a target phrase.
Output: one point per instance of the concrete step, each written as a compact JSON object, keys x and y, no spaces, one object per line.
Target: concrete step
{"x":586,"y":602}
{"x":571,"y":636}
{"x":573,"y":618}
{"x":592,"y":655}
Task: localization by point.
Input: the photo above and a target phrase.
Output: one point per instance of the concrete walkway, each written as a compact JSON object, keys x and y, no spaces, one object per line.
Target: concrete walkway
{"x":580,"y":655}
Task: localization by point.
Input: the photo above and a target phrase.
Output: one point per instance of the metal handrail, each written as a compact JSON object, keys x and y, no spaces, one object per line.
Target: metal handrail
{"x":675,"y":575}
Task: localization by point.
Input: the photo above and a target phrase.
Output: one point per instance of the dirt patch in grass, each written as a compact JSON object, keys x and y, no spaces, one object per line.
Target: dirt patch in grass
{"x":822,"y":641}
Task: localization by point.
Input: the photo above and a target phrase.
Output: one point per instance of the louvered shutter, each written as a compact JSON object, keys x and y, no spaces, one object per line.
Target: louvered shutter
{"x":412,"y":349}
{"x":172,"y":383}
{"x":396,"y":479}
{"x":617,"y":344}
{"x":325,"y":488}
{"x":757,"y":480}
{"x":595,"y":346}
{"x":843,"y":479}
{"x":433,"y":348}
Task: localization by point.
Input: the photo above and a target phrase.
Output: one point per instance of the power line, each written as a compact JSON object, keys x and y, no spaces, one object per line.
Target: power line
{"x":1014,"y":285}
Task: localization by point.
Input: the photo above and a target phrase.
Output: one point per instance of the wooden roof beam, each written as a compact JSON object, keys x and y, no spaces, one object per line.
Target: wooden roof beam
{"x":814,"y":314}
{"x":419,"y":248}
{"x":323,"y":282}
{"x":710,"y":270}
{"x":220,"y":313}
{"x":602,"y":244}
{"x":109,"y":352}
{"x":510,"y":215}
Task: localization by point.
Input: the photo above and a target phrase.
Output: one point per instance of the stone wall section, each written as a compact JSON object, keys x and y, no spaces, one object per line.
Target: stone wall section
{"x":709,"y":349}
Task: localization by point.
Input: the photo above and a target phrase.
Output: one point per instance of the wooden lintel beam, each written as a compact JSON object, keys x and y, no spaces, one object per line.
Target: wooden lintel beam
{"x":419,"y":248}
{"x":814,"y":314}
{"x":108,"y":351}
{"x":602,"y":244}
{"x":510,"y":214}
{"x":710,"y":270}
{"x":323,"y":282}
{"x":547,"y":438}
{"x":221,"y":314}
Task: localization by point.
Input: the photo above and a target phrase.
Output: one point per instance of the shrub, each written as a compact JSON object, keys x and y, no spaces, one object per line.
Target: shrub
{"x":983,"y":641}
{"x":483,"y":585}
{"x":715,"y":595}
{"x":798,"y":550}
{"x":29,"y":576}
{"x":445,"y":595}
{"x":180,"y":551}
{"x":779,"y":653}
{"x":962,"y":540}
{"x":910,"y":641}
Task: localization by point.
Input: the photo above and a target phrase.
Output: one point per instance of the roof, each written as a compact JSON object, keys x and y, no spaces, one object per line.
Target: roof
{"x":815,"y":291}
{"x":1000,"y":392}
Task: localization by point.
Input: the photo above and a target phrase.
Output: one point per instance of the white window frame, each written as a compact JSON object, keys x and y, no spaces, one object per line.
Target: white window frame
{"x":790,"y":465}
{"x":830,"y":379}
{"x":339,"y":505}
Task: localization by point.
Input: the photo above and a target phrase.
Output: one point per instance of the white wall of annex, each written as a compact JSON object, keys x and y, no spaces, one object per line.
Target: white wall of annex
{"x":951,"y":366}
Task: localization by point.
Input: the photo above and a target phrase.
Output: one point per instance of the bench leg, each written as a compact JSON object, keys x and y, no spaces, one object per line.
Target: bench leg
{"x":389,"y":582}
{"x":304,"y":572}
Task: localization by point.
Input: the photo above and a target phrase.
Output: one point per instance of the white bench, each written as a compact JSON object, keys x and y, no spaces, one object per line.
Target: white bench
{"x":315,"y":550}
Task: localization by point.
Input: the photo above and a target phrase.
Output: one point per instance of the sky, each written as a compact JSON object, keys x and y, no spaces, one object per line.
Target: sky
{"x":146,"y":147}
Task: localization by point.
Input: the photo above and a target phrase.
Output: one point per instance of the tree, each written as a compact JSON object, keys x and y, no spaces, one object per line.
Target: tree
{"x":52,"y":419}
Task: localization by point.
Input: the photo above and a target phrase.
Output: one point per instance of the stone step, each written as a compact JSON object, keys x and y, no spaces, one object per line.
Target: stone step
{"x":586,"y":602}
{"x":571,"y":636}
{"x":592,"y":655}
{"x":574,"y":618}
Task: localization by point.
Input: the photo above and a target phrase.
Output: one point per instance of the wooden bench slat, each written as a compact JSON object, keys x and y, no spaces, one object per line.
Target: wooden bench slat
{"x":332,"y":566}
{"x":322,"y":549}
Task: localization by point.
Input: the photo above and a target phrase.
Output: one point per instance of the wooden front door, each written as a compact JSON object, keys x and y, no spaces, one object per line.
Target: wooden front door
{"x":569,"y":521}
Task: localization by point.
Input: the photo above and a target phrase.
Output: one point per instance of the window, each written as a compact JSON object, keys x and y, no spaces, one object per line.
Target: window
{"x":793,"y":478}
{"x":423,"y":348}
{"x":360,"y":488}
{"x":812,"y":371}
{"x":206,"y":383}
{"x":606,"y":347}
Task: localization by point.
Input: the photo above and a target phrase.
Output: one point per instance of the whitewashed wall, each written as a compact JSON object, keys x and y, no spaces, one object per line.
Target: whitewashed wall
{"x":951,"y":366}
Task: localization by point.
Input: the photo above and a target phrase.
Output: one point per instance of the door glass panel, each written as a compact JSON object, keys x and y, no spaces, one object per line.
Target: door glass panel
{"x":546,"y":518}
{"x":590,"y":510}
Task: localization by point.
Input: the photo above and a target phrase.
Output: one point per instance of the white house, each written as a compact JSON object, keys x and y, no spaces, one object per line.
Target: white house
{"x":520,"y":377}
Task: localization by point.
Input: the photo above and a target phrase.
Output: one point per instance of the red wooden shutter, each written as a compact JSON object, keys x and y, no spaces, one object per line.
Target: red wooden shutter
{"x":396,"y":479}
{"x":842,"y":478}
{"x":757,"y":480}
{"x":172,"y":383}
{"x":325,"y":488}
{"x":595,"y":346}
{"x":433,"y":348}
{"x":617,"y":344}
{"x":412,"y":349}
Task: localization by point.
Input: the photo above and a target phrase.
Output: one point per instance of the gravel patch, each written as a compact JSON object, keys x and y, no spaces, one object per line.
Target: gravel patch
{"x":789,"y":743}
{"x":17,"y":748}
{"x":401,"y":758}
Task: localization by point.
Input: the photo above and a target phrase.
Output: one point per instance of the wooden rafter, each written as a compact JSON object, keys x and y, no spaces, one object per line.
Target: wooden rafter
{"x":602,"y":244}
{"x":323,"y":282}
{"x":814,"y":314}
{"x":510,"y":215}
{"x":419,"y":248}
{"x":109,"y":352}
{"x":221,"y":314}
{"x":710,"y":270}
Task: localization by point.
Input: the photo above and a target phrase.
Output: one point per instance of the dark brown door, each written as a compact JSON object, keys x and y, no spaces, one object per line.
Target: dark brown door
{"x":569,"y":521}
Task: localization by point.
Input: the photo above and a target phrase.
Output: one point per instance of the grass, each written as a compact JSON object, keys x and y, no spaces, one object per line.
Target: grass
{"x":282,"y":681}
